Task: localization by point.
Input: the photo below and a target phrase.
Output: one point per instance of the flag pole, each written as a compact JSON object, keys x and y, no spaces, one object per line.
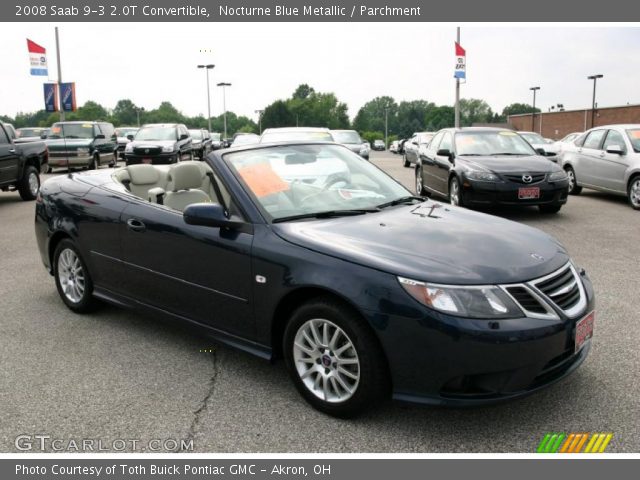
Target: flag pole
{"x":457,"y":105}
{"x":59,"y":76}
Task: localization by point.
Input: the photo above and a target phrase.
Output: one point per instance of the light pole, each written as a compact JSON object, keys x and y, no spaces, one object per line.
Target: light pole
{"x":533,"y":110}
{"x":593,"y":101}
{"x":260,"y":112}
{"x":138,"y":110}
{"x":224,"y":85}
{"x":207,"y":68}
{"x":386,"y":125}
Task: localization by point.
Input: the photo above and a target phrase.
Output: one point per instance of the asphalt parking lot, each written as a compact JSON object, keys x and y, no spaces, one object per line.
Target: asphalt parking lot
{"x":117,"y":375}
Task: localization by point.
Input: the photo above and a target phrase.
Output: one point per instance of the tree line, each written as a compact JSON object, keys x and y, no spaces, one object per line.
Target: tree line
{"x":305,"y":107}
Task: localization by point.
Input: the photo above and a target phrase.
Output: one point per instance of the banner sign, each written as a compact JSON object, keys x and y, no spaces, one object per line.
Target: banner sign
{"x":461,"y":62}
{"x":68,"y":92}
{"x":37,"y":59}
{"x":51,"y":97}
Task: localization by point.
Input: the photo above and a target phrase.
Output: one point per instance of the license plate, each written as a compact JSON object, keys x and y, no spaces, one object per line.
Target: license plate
{"x":527,"y":193}
{"x":584,"y":330}
{"x":146,"y":160}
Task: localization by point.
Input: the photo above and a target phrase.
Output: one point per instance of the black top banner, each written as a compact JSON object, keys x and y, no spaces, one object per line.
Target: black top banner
{"x":317,"y":11}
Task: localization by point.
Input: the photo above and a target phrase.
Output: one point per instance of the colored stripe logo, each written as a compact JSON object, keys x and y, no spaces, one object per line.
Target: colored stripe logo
{"x":574,"y":443}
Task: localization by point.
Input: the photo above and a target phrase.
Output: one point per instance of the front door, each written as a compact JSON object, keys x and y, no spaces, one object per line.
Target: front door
{"x":8,"y":159}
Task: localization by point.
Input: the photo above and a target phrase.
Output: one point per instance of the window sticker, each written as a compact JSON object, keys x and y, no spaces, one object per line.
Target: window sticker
{"x":263,"y":180}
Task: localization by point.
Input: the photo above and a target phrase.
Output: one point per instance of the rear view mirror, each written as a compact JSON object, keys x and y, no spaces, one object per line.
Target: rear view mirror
{"x":100,"y":136}
{"x":184,"y":136}
{"x":616,"y":149}
{"x":43,"y":136}
{"x":299,"y":158}
{"x":209,"y":215}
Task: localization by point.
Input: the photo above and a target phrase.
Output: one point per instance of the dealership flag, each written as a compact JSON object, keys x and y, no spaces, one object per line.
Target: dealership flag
{"x":461,"y":62}
{"x":38,"y":58}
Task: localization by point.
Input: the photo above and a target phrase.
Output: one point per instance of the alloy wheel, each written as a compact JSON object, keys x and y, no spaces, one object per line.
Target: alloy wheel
{"x":71,"y":275}
{"x":572,"y":179}
{"x":326,"y":360}
{"x":454,"y":192}
{"x":634,"y":193}
{"x":34,"y":183}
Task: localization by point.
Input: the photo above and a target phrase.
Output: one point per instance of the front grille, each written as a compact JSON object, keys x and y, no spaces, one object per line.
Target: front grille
{"x":147,"y":150}
{"x":535,"y":178}
{"x":562,"y":288}
{"x":526,"y":299}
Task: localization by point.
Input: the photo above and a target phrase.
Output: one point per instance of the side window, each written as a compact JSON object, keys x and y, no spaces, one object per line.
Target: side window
{"x":614,"y":138}
{"x":107,"y":130}
{"x":594,"y":139}
{"x":580,"y":140}
{"x":4,"y":139}
{"x":436,"y":141}
{"x":446,"y":142}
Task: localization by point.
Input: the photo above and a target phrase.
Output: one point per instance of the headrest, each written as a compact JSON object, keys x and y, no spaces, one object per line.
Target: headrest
{"x":186,"y":175}
{"x":143,"y":174}
{"x":122,"y":175}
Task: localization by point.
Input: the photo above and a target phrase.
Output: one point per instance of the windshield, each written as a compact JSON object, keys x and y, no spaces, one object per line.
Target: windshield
{"x":425,"y":138}
{"x":634,"y":137}
{"x":123,"y":132}
{"x":301,"y":136}
{"x":295,"y":180}
{"x":346,"y":137}
{"x":196,"y":134}
{"x":378,"y":142}
{"x":533,"y":138}
{"x":72,"y":130}
{"x":246,"y":140}
{"x":492,"y":143}
{"x":30,"y":132}
{"x":215,"y":137}
{"x":156,"y":133}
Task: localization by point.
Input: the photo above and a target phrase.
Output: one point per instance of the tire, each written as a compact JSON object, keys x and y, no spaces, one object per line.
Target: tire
{"x":574,"y":188}
{"x":29,"y":185}
{"x":95,"y":163}
{"x":406,"y":163}
{"x":114,"y":163}
{"x":455,"y":193}
{"x":419,"y":185}
{"x":549,"y":208}
{"x":328,"y":388}
{"x":633,"y":192}
{"x":69,"y":269}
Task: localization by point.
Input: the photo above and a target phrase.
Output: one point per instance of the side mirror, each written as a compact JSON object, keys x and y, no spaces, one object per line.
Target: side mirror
{"x":415,"y":142}
{"x":100,"y":136}
{"x":617,"y":149}
{"x":209,"y":215}
{"x":541,"y":151}
{"x":184,"y":136}
{"x":43,"y":136}
{"x":130,"y":137}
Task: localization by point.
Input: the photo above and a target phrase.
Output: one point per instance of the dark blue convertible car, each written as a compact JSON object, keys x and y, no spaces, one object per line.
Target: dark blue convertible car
{"x":309,"y":252}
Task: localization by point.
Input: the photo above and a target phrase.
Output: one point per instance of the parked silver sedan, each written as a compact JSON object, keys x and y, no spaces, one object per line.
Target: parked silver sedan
{"x":608,"y":159}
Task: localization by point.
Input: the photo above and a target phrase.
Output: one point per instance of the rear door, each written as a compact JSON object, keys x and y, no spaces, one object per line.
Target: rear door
{"x":9,"y":159}
{"x":589,"y":156}
{"x":611,"y":167}
{"x":429,"y":167}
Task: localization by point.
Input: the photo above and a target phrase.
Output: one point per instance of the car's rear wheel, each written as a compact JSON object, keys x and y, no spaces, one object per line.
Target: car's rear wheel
{"x":419,"y":184}
{"x":455,"y":193}
{"x":633,"y":192}
{"x":95,"y":163}
{"x":30,"y":184}
{"x":73,"y":280}
{"x":405,"y":162}
{"x":549,"y":208}
{"x":574,"y":188}
{"x":334,"y":358}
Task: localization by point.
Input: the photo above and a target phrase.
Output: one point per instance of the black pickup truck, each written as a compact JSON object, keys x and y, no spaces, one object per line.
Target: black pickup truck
{"x":21,"y":164}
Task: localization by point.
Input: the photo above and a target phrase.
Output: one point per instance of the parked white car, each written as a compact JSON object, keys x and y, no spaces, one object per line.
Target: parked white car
{"x":538,"y":142}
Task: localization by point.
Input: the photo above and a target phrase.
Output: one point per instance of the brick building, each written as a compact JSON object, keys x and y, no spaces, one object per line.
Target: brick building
{"x":558,"y":124}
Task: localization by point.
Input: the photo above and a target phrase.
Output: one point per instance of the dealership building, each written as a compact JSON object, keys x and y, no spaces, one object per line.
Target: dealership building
{"x":557,"y":124}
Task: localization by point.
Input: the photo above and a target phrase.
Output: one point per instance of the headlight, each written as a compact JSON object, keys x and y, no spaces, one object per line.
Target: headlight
{"x":558,"y":176}
{"x":481,"y":176}
{"x":168,"y":149}
{"x":474,"y":302}
{"x":364,"y":149}
{"x":82,"y":151}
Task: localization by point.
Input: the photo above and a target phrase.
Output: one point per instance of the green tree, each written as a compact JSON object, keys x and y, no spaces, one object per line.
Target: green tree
{"x":278,"y":114}
{"x":439,"y":117}
{"x":474,"y":110}
{"x":371,"y":116}
{"x":125,"y":113}
{"x":411,"y":115}
{"x":518,"y":108}
{"x":165,"y":113}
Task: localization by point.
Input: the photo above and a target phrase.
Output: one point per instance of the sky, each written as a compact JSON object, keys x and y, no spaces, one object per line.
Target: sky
{"x":153,"y":62}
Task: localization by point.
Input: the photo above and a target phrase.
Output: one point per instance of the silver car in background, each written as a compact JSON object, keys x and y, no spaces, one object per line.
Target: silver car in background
{"x":351,"y":139}
{"x":540,"y":144}
{"x":416,"y":146}
{"x":606,"y":158}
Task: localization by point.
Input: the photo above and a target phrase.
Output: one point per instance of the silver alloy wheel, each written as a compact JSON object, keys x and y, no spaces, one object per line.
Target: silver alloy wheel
{"x":572,"y":179}
{"x":71,"y":275}
{"x":419,"y":181}
{"x":326,"y":360}
{"x":34,"y":184}
{"x":634,"y":193}
{"x":454,"y":193}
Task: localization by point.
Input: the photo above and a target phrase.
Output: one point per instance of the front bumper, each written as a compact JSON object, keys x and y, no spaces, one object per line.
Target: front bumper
{"x":162,"y":159}
{"x":439,"y":359}
{"x":478,"y":194}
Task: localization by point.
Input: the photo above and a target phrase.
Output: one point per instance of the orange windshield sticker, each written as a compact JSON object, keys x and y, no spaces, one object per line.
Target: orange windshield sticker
{"x":263,"y":180}
{"x":635,"y":133}
{"x":55,"y":129}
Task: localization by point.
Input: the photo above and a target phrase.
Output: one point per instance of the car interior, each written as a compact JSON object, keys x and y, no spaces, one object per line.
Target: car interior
{"x":175,"y":186}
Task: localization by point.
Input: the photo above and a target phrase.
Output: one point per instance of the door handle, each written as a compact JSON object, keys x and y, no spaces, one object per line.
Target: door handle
{"x":136,"y":225}
{"x":12,"y":150}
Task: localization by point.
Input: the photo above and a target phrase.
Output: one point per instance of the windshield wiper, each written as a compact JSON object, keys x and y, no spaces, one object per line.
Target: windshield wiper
{"x":472,"y":154}
{"x":398,"y":201}
{"x":506,"y":153}
{"x":327,"y":214}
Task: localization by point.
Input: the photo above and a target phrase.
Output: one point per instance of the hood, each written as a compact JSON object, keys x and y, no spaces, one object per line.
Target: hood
{"x":68,"y":144}
{"x":152,"y":143}
{"x":453,"y":246}
{"x":511,"y":164}
{"x":123,"y":140}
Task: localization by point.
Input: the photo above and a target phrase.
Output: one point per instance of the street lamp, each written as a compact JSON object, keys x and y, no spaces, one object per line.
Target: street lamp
{"x":138,"y":110}
{"x":260,"y":112}
{"x":593,"y":102}
{"x":224,"y":104}
{"x":533,"y":111}
{"x":386,"y":127}
{"x":207,"y":68}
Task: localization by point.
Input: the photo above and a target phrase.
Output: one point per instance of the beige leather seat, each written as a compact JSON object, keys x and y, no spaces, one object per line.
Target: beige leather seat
{"x":184,"y":181}
{"x":139,"y":179}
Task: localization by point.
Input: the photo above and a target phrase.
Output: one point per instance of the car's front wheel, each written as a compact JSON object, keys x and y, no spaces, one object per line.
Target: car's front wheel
{"x":405,"y":161}
{"x":455,"y":193}
{"x":334,"y":358}
{"x":30,"y":184}
{"x":574,"y":188}
{"x":633,"y":192}
{"x":73,"y":280}
{"x":419,"y":182}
